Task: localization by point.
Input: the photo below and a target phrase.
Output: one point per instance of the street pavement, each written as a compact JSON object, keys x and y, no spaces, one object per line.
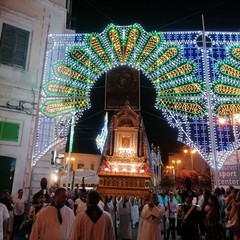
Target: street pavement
{"x":134,"y":234}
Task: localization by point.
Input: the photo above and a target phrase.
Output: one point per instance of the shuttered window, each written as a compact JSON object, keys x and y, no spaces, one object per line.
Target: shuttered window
{"x":9,"y":131}
{"x":14,"y":46}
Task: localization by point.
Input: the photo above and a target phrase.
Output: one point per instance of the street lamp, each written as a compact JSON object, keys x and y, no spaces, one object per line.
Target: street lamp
{"x":171,"y":170}
{"x":177,"y":162}
{"x":191,"y":152}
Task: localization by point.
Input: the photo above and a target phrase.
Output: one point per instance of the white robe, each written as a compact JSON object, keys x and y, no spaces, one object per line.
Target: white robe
{"x":125,"y":217}
{"x":150,"y":223}
{"x":111,"y":210}
{"x":47,"y":226}
{"x":85,"y":229}
{"x":135,"y":214}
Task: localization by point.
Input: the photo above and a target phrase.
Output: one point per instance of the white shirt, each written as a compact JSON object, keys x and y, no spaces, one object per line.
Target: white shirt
{"x":19,"y":205}
{"x":4,"y":215}
{"x":171,"y":209}
{"x":200,"y":201}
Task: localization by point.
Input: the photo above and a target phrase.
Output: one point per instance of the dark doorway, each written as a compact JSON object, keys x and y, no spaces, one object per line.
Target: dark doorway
{"x":7,"y":172}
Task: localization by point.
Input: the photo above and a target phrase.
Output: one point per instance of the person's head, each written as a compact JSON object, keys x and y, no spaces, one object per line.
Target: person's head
{"x":82,"y":192}
{"x":41,"y":199}
{"x":60,"y":197}
{"x":5,"y":195}
{"x":108,"y":198}
{"x":76,"y":192}
{"x":125,"y":199}
{"x":20,"y":193}
{"x":171,"y":195}
{"x":207,"y":193}
{"x":188,"y":199}
{"x":93,"y":198}
{"x":213,"y":200}
{"x":217,"y":192}
{"x":43,"y":183}
{"x":154,"y":198}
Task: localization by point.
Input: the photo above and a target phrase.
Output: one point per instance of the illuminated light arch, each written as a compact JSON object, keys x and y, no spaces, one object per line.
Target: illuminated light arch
{"x":159,"y":61}
{"x":172,"y":61}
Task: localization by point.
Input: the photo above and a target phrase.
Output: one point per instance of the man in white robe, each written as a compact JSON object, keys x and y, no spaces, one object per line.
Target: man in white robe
{"x":151,"y":218}
{"x":124,"y":215}
{"x":94,"y":223}
{"x":135,"y":212}
{"x":55,"y":221}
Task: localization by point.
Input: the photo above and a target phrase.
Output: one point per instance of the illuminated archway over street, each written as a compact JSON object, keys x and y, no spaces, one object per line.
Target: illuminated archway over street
{"x":195,"y":75}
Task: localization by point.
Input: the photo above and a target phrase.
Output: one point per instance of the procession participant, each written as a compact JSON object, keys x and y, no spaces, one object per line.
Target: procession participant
{"x":189,"y":190}
{"x":19,"y":210}
{"x":6,"y":199}
{"x":151,"y":218}
{"x":34,"y":209}
{"x":135,"y":212}
{"x":124,"y":215}
{"x":54,"y":221}
{"x":94,"y":223}
{"x":109,"y":207}
{"x":190,"y":220}
{"x":3,"y":221}
{"x":44,"y":190}
{"x":81,"y":199}
{"x":171,"y":210}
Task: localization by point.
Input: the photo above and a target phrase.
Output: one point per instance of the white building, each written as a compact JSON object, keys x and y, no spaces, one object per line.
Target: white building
{"x":24,"y":27}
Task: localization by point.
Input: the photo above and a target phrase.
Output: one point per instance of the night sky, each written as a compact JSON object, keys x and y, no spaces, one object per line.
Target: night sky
{"x":94,"y":16}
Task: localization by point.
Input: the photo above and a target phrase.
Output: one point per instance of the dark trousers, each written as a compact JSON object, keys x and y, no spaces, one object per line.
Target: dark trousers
{"x":171,"y":228}
{"x":18,"y":219}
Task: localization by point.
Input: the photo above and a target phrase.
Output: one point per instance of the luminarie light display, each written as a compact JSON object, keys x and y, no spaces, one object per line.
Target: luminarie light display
{"x":175,"y":63}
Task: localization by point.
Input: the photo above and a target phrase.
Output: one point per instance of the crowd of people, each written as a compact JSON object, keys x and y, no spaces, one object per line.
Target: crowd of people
{"x":60,"y":214}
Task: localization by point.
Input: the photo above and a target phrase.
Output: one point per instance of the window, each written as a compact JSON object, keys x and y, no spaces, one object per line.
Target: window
{"x":13,"y":46}
{"x":92,"y":166}
{"x":9,"y":131}
{"x":80,"y":165}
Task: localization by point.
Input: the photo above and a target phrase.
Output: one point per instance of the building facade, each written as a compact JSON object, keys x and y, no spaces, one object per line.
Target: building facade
{"x":24,"y":28}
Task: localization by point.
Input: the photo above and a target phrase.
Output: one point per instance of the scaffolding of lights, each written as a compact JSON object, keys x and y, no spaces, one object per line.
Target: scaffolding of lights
{"x":172,"y":61}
